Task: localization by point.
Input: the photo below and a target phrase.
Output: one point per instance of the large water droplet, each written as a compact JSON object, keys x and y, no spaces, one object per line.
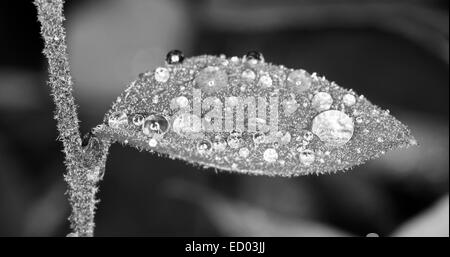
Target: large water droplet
{"x":155,"y":124}
{"x":333,"y":127}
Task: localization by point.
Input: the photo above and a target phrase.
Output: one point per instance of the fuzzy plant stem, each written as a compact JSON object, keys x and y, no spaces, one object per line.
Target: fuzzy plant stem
{"x":85,"y":164}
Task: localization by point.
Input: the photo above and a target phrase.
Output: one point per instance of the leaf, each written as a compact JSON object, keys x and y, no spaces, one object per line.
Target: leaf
{"x":249,"y":116}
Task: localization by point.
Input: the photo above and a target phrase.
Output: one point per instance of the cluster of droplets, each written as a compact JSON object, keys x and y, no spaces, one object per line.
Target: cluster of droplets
{"x":152,"y":125}
{"x":326,"y":115}
{"x":333,"y":127}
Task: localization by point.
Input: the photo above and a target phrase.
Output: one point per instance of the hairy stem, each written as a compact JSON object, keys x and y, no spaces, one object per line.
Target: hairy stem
{"x":85,"y":165}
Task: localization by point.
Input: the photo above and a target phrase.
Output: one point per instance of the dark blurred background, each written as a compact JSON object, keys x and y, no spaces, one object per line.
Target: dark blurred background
{"x":394,"y":52}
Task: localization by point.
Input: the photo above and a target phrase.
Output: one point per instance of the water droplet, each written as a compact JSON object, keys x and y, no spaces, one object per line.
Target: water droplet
{"x":117,"y":119}
{"x":321,"y":101}
{"x":138,"y":119}
{"x":334,"y":128}
{"x":234,"y":59}
{"x":307,"y":157}
{"x":349,"y":99}
{"x":152,"y":142}
{"x":254,"y":56}
{"x":244,"y":152}
{"x":270,"y":155}
{"x":174,"y":57}
{"x":235,"y":139}
{"x":211,"y":79}
{"x":359,"y":120}
{"x":204,"y":146}
{"x":162,"y":74}
{"x":265,"y":81}
{"x":299,"y":81}
{"x":308,"y":135}
{"x":259,"y":138}
{"x":155,"y":124}
{"x":219,"y":143}
{"x":290,"y":106}
{"x":187,"y":124}
{"x":182,"y":101}
{"x":248,"y":75}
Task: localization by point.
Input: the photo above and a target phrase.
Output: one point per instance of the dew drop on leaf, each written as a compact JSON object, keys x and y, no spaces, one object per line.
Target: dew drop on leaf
{"x":162,"y":74}
{"x":299,"y":81}
{"x":321,"y":101}
{"x":174,"y":57}
{"x":306,"y":157}
{"x":349,"y":99}
{"x":155,"y":124}
{"x":270,"y":155}
{"x":334,"y":128}
{"x":204,"y":147}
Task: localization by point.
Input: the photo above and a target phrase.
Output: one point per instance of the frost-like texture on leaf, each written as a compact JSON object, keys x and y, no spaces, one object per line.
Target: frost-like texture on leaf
{"x":304,"y":123}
